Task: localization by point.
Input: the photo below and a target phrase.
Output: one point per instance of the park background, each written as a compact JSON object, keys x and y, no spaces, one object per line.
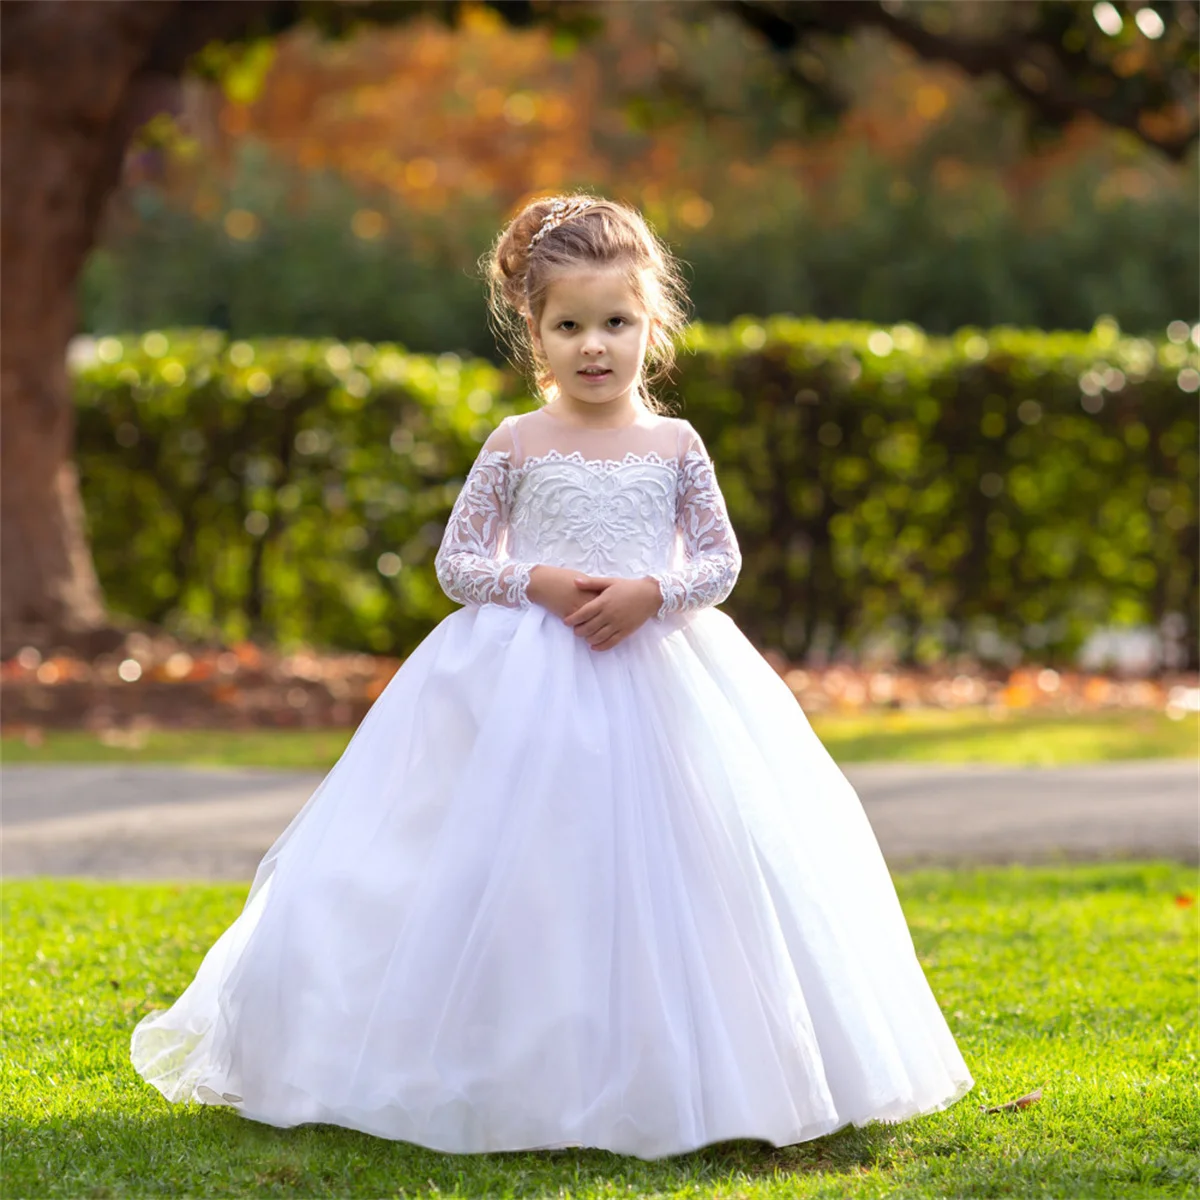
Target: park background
{"x":942,"y":354}
{"x":947,"y":315}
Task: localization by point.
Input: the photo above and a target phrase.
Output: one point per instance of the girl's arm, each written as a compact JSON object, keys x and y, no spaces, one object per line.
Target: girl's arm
{"x":467,"y":563}
{"x":713,"y":557}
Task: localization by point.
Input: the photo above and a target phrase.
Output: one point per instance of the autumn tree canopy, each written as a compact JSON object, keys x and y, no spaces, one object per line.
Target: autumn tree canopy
{"x":80,"y":78}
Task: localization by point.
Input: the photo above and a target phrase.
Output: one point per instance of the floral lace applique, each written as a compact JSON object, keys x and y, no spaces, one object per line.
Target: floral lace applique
{"x":599,"y":517}
{"x":467,"y":563}
{"x":605,"y":466}
{"x":713,"y":559}
{"x":615,"y":517}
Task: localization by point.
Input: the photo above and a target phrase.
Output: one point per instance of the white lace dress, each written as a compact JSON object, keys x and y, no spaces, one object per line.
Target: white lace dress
{"x":552,"y":896}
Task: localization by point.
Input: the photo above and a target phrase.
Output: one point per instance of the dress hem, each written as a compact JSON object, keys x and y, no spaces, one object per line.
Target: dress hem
{"x":822,"y":1130}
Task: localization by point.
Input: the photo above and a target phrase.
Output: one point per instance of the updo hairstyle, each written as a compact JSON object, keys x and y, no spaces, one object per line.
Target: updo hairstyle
{"x":586,"y":232}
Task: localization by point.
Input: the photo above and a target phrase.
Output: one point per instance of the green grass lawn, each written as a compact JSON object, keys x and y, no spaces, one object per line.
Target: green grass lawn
{"x":1079,"y":980}
{"x":1019,"y":739}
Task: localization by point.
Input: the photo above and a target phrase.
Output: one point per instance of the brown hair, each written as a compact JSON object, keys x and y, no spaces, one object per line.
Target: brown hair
{"x":606,"y":232}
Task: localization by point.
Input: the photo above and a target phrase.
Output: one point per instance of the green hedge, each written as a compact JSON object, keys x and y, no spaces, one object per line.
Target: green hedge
{"x":994,"y":492}
{"x":1001,"y":486}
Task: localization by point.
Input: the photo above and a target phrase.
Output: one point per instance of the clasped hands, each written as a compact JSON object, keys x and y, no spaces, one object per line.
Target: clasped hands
{"x":603,"y":609}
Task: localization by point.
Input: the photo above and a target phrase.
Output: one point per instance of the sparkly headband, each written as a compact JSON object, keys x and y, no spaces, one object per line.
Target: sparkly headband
{"x":560,"y":211}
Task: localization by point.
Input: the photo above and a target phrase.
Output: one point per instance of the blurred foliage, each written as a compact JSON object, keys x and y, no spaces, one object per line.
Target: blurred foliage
{"x":906,"y":246}
{"x":994,"y":492}
{"x":258,"y":487}
{"x":352,"y":197}
{"x":1132,"y":64}
{"x":999,"y":489}
{"x":305,"y":274}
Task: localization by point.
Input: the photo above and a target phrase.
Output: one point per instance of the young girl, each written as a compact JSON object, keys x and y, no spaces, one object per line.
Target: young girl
{"x":584,"y":875}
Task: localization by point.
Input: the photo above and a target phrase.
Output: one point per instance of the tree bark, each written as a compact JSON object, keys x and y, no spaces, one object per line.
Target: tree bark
{"x":77,"y":79}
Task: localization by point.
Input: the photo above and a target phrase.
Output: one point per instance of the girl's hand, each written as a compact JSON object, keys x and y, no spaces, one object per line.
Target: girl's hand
{"x":622,"y":607}
{"x":554,"y":589}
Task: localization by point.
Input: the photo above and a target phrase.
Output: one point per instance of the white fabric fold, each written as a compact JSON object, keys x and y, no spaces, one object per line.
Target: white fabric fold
{"x":552,"y":896}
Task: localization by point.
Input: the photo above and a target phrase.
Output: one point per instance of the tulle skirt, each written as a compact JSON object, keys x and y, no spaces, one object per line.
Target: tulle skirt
{"x":551,"y":896}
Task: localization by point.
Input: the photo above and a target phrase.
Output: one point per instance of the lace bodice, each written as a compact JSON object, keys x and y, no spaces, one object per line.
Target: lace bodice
{"x":633,"y":502}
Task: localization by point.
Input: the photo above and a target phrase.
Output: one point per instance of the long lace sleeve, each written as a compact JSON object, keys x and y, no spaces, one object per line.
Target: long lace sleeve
{"x":712,"y":557}
{"x":467,"y":563}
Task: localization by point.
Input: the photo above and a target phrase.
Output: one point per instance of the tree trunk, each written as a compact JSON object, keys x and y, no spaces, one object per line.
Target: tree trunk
{"x":79,"y":77}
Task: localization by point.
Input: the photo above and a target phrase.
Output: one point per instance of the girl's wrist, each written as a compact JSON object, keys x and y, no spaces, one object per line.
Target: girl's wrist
{"x":533,"y":589}
{"x":653,"y":591}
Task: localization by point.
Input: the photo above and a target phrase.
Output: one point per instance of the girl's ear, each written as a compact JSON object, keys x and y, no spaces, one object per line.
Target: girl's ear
{"x":653,"y":332}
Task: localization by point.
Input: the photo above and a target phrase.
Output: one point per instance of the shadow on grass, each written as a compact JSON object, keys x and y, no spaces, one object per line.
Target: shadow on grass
{"x":192,"y":1150}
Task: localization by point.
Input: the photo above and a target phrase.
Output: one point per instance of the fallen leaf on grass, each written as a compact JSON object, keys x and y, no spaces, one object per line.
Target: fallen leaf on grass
{"x":1020,"y":1102}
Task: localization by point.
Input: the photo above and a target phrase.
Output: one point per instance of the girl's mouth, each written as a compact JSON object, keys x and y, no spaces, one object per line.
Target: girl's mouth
{"x":592,"y":374}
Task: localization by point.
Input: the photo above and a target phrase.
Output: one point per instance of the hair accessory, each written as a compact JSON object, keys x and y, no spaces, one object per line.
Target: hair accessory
{"x":560,"y":211}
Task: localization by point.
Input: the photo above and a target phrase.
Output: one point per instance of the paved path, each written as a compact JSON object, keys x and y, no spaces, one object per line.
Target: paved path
{"x":116,"y":822}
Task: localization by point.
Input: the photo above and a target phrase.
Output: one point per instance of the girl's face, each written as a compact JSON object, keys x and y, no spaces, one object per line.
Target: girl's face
{"x":593,"y":333}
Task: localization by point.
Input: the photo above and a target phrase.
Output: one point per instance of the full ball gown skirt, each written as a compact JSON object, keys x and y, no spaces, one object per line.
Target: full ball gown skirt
{"x":552,"y":896}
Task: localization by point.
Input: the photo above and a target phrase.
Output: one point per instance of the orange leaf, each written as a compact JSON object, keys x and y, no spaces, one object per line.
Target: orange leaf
{"x":1021,"y":1102}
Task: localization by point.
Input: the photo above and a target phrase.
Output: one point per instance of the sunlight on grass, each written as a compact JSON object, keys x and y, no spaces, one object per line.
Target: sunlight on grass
{"x":1024,"y":739}
{"x":1078,"y":980}
{"x":1014,"y":739}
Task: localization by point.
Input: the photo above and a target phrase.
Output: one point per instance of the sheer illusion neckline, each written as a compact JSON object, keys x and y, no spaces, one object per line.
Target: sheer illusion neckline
{"x":587,"y":428}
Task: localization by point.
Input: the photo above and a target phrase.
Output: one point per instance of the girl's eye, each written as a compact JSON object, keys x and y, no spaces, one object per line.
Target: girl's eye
{"x":563,"y":324}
